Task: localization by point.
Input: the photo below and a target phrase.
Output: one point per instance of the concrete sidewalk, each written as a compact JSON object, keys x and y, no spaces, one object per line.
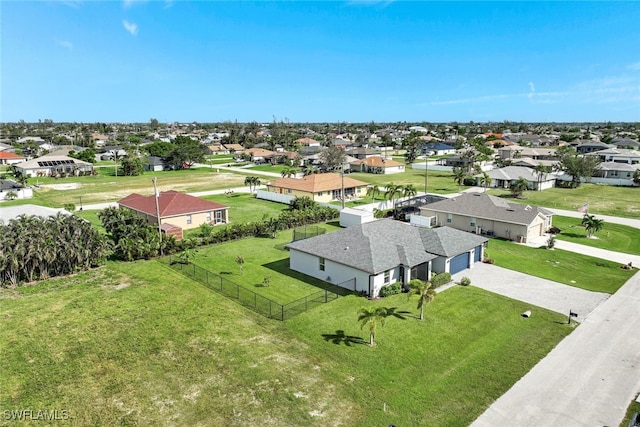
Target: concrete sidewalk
{"x":612,"y":219}
{"x":589,"y":379}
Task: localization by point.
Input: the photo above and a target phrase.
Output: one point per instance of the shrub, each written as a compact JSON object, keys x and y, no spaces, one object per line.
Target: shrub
{"x":392,"y":289}
{"x":465,"y":281}
{"x":488,"y":261}
{"x":551,"y":242}
{"x":554,"y":230}
{"x":440,"y":279}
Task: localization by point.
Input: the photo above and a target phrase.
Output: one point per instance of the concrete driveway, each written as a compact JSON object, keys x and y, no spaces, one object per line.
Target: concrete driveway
{"x":588,"y":379}
{"x":533,"y":290}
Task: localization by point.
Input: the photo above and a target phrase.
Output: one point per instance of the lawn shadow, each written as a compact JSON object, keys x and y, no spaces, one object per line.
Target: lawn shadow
{"x":392,"y":312}
{"x":282,"y":267}
{"x":226,"y":272}
{"x":578,"y":236}
{"x":341,"y":338}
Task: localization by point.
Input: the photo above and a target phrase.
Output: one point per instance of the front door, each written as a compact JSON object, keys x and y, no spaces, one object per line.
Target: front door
{"x":402,"y":275}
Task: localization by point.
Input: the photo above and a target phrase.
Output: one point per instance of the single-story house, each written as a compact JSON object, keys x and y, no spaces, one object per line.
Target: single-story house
{"x":377,"y":165}
{"x":366,"y":257}
{"x":322,"y":187}
{"x":14,"y":190}
{"x":54,"y":165}
{"x":217,"y":149}
{"x":507,"y":176}
{"x":586,"y":146}
{"x":155,"y":164}
{"x":176,"y":209}
{"x":363,"y":153}
{"x":307,"y":142}
{"x":437,"y":149}
{"x":618,"y":155}
{"x":234,"y":148}
{"x":517,"y":151}
{"x":488,"y":215}
{"x":8,"y":158}
{"x":259,"y":155}
{"x":614,"y":173}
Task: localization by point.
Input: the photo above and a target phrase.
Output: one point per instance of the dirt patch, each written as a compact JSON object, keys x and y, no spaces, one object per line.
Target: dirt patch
{"x":66,"y":186}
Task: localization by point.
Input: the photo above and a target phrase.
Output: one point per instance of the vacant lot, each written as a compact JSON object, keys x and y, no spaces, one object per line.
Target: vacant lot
{"x":613,"y":237}
{"x":245,"y":207}
{"x":570,"y":268}
{"x":439,"y":182}
{"x":138,"y":344}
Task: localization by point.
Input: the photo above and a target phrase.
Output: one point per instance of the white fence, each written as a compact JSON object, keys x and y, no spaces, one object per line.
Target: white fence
{"x":285,"y":198}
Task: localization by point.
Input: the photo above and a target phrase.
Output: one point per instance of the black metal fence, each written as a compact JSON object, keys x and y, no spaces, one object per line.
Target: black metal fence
{"x":307,"y":231}
{"x":256,"y":302}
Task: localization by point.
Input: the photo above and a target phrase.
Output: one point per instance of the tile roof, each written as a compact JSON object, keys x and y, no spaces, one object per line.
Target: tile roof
{"x":380,"y":245}
{"x":171,"y":203}
{"x":317,"y":182}
{"x":482,"y":205}
{"x":5,"y":155}
{"x":377,"y":162}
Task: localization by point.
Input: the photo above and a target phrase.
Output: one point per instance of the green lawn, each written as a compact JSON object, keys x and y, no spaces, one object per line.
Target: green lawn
{"x":440,"y":182}
{"x":245,"y":207}
{"x":269,"y":168}
{"x":570,"y":268}
{"x":139,"y":344}
{"x":614,"y":237}
{"x":263,"y":257}
{"x":602,"y":199}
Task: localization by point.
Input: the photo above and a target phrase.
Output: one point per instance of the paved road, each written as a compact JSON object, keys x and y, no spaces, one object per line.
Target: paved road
{"x":588,"y":379}
{"x":599,"y":253}
{"x":534,"y":290}
{"x":613,"y":219}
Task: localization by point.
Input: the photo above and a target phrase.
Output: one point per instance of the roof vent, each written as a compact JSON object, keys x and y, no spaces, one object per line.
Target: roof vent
{"x":346,"y":248}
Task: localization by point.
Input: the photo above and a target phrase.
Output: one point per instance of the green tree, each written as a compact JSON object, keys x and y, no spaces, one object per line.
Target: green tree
{"x":636,"y":177}
{"x":240,"y":262}
{"x":333,"y":158}
{"x":519,"y":187}
{"x":424,"y":291}
{"x":459,"y":175}
{"x":87,"y":155}
{"x":485,"y":180}
{"x":371,"y":317}
{"x":288,"y":172}
{"x":131,"y":166}
{"x":373,"y":191}
{"x":11,"y":195}
{"x":253,"y":182}
{"x":310,"y":170}
{"x":159,"y":148}
{"x":186,"y":151}
{"x":577,"y":166}
{"x":592,"y":224}
{"x":409,"y":191}
{"x":393,"y":192}
{"x":541,"y":173}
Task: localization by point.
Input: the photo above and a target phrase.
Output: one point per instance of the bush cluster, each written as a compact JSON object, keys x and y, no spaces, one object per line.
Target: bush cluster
{"x":440,"y":279}
{"x":392,"y":289}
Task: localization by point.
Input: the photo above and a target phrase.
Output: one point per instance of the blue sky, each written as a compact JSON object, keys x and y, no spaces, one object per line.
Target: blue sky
{"x":353,"y":61}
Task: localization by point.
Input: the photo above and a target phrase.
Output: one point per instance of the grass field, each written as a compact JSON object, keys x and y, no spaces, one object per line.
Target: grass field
{"x":245,"y":207}
{"x":614,"y":237}
{"x":439,"y":182}
{"x":602,"y":199}
{"x":138,"y":344}
{"x":570,"y":268}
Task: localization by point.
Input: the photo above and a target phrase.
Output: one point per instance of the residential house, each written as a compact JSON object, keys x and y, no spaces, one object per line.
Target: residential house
{"x":307,"y":142}
{"x":155,"y":164}
{"x":363,"y":153}
{"x":14,"y":190}
{"x":517,"y":152}
{"x":9,"y":158}
{"x":377,"y":165}
{"x":618,"y":155}
{"x":259,"y":155}
{"x":323,"y":187}
{"x":587,"y":146}
{"x":437,"y":149}
{"x":214,"y":149}
{"x":234,"y":148}
{"x":509,"y":175}
{"x":366,"y":257}
{"x":54,"y":166}
{"x":627,"y":143}
{"x":176,"y":209}
{"x":488,"y":215}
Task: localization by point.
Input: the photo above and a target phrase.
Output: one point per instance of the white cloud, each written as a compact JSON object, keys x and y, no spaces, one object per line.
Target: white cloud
{"x":65,"y":44}
{"x":168,"y":4}
{"x":128,"y":3}
{"x":130,"y":27}
{"x":532,"y":90}
{"x":634,"y":66}
{"x":72,"y":3}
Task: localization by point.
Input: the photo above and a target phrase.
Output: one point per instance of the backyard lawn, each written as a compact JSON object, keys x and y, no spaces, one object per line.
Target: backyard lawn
{"x":440,"y":182}
{"x":138,"y":344}
{"x":613,"y":237}
{"x":245,"y":207}
{"x":570,"y":268}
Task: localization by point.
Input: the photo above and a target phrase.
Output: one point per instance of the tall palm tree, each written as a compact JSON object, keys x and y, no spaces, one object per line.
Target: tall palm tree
{"x":409,"y":190}
{"x":288,"y":172}
{"x":541,"y":173}
{"x":592,"y":224}
{"x":459,"y":175}
{"x":310,"y":170}
{"x":486,"y":180}
{"x":425,"y":291}
{"x":393,"y":192}
{"x":519,"y":187}
{"x":252,"y":182}
{"x":371,"y":317}
{"x":373,"y":191}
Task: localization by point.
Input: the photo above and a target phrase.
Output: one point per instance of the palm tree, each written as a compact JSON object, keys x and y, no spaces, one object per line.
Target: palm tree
{"x":288,"y":172}
{"x":252,"y":182}
{"x":458,"y":176}
{"x":240,"y":262}
{"x":310,"y":170}
{"x":486,"y":180}
{"x":542,"y":172}
{"x":425,"y":291}
{"x":373,"y":191}
{"x":371,"y":317}
{"x":592,"y":224}
{"x":519,"y":187}
{"x":409,"y":190}
{"x":393,"y":191}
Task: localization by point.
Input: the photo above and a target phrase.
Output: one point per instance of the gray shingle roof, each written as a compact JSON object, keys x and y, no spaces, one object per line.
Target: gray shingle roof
{"x":380,"y":245}
{"x":481,"y":205}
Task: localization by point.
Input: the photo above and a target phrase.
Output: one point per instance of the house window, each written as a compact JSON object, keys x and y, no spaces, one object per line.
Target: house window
{"x":320,"y":194}
{"x":289,"y":190}
{"x":219,"y":217}
{"x":321,"y":264}
{"x":208,"y":217}
{"x":449,"y":218}
{"x":188,"y":219}
{"x":473,"y":222}
{"x":387,"y":277}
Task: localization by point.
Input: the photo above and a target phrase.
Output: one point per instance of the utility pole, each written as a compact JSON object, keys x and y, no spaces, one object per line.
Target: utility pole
{"x":342,"y":177}
{"x":155,"y":192}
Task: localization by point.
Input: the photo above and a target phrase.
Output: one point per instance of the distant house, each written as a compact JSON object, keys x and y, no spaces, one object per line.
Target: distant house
{"x":366,"y":257}
{"x":54,"y":166}
{"x":627,"y":143}
{"x":8,"y":158}
{"x":155,"y":164}
{"x":234,"y":148}
{"x":509,"y":175}
{"x":618,"y":155}
{"x":12,"y":188}
{"x":363,"y":153}
{"x":307,"y":142}
{"x":516,"y":152}
{"x":377,"y":165}
{"x":615,"y":173}
{"x":437,"y":149}
{"x":260,"y":155}
{"x":176,"y":210}
{"x":324,"y":187}
{"x":214,"y":149}
{"x":585,"y":147}
{"x":488,"y":215}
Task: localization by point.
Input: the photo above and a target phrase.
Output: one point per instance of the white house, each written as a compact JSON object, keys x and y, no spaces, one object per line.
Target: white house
{"x":375,"y":254}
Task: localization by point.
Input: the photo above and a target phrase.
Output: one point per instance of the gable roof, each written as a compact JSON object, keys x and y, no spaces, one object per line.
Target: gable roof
{"x":5,"y":155}
{"x":482,"y":205}
{"x":384,"y":244}
{"x":515,"y":172}
{"x":170,"y":203}
{"x":317,"y":182}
